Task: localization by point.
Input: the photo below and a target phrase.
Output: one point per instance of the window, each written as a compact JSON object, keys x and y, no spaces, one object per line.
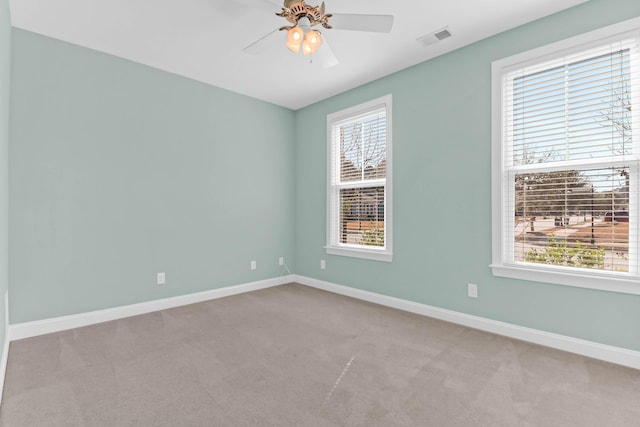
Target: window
{"x":565,"y":162}
{"x":359,"y":181}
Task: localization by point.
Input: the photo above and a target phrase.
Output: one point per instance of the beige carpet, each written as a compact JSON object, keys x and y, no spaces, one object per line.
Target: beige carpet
{"x":296,"y":356}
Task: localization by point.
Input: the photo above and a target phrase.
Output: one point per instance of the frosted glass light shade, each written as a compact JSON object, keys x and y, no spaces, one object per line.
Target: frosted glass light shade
{"x":312,"y":41}
{"x":294,"y":39}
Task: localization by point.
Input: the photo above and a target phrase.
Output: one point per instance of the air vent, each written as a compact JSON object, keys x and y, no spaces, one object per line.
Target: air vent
{"x":434,"y":37}
{"x":441,"y":35}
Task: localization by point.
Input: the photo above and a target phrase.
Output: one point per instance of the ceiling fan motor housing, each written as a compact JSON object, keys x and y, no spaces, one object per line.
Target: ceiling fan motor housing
{"x":296,"y":10}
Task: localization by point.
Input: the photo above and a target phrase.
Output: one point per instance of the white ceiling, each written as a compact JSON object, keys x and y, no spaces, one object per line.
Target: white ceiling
{"x":203,"y":39}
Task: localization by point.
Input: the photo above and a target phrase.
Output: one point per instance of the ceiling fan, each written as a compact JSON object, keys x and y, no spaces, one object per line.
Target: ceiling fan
{"x":301,"y":35}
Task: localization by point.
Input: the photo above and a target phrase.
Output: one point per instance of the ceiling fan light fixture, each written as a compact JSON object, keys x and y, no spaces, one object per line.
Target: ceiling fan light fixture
{"x":295,"y":35}
{"x":306,"y":49}
{"x":302,"y":18}
{"x":293,"y":47}
{"x":312,"y":41}
{"x":294,"y":39}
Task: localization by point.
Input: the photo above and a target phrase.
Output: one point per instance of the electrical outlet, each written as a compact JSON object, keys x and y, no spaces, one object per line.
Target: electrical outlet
{"x":323,"y":265}
{"x":472,"y":290}
{"x":161,"y":278}
{"x":281,"y":260}
{"x":253,"y":265}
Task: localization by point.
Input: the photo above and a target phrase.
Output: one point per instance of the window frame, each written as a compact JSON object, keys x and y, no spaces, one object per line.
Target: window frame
{"x":333,"y":247}
{"x":502,"y":265}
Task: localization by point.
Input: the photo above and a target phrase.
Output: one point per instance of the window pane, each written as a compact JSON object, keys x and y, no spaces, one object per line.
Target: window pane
{"x":351,"y":152}
{"x":577,"y":218}
{"x":363,"y":148}
{"x":578,"y":111}
{"x":362,"y":216}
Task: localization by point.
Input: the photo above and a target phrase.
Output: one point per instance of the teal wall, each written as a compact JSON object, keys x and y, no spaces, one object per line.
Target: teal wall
{"x":5,"y":67}
{"x":120,"y":171}
{"x":442,"y":192}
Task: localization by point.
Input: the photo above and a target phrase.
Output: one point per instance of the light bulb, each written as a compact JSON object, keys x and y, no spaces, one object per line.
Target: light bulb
{"x":306,"y":48}
{"x":312,"y":41}
{"x":294,"y":38}
{"x":295,"y":34}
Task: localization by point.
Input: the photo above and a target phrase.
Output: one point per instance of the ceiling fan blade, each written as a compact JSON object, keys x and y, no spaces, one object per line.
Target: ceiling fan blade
{"x":326,"y":56}
{"x":357,"y":22}
{"x":263,"y":43}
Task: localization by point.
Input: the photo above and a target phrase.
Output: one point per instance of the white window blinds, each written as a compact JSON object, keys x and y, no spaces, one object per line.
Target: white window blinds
{"x":574,"y":108}
{"x":570,"y":160}
{"x":358,"y":177}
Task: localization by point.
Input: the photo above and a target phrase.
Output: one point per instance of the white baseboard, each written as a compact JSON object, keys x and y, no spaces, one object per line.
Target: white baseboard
{"x":40,"y":327}
{"x":617,"y":355}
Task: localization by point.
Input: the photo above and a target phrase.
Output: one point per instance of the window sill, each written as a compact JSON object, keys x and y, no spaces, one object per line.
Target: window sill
{"x":584,"y":279}
{"x":372,"y":254}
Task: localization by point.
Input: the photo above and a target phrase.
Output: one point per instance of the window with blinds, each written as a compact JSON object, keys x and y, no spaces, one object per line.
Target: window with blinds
{"x":359,"y":153}
{"x":566,"y":163}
